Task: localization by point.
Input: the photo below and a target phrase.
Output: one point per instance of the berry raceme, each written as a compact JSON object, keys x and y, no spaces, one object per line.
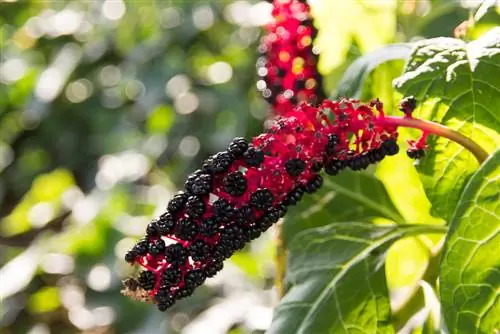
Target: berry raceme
{"x":288,"y":65}
{"x":241,"y":192}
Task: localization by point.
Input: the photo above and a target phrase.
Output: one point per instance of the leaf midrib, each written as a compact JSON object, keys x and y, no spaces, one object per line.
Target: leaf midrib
{"x":407,"y":230}
{"x":385,"y":212}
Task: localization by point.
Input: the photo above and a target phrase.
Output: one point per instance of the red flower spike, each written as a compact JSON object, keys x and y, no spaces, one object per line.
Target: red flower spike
{"x":288,"y":66}
{"x":241,"y":192}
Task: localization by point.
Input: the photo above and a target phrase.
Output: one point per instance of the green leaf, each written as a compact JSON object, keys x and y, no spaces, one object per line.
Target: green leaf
{"x":470,"y":267}
{"x":370,"y":24}
{"x":337,"y":279}
{"x":352,"y":82}
{"x":349,"y":196}
{"x":457,"y":85}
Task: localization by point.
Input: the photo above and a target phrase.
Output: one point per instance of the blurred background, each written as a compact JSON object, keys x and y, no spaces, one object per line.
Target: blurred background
{"x":106,"y":106}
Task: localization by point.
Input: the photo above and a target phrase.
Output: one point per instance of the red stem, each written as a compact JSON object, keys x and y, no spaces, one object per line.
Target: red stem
{"x":438,"y":130}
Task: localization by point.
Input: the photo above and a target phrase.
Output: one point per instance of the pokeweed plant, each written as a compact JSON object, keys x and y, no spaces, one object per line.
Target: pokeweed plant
{"x":335,"y":279}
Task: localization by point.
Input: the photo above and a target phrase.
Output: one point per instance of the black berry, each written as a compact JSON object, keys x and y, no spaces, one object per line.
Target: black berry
{"x":262,"y":198}
{"x":147,"y":280}
{"x":390,"y":146}
{"x":295,"y":166}
{"x":238,"y":146}
{"x":235,"y":184}
{"x":177,"y":202}
{"x":253,"y":157}
{"x":195,"y":207}
{"x":314,"y":184}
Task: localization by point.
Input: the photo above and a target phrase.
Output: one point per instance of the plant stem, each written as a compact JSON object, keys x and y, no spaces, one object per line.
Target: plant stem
{"x":438,"y":130}
{"x":416,"y":300}
{"x":280,"y":261}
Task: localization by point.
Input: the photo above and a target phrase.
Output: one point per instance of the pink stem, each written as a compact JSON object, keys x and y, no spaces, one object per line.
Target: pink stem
{"x":438,"y":130}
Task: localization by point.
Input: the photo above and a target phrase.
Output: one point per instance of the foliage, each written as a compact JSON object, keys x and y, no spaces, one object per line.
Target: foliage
{"x":106,"y":106}
{"x":333,"y":281}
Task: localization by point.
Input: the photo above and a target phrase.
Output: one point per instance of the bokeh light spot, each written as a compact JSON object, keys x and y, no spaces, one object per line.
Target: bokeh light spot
{"x":103,"y":315}
{"x":40,"y":214}
{"x":189,"y":146}
{"x":57,"y":263}
{"x":203,"y":17}
{"x":79,"y":90}
{"x":109,"y":75}
{"x":186,"y":103}
{"x":113,"y":9}
{"x":220,"y":72}
{"x":12,"y":70}
{"x":170,"y":18}
{"x":99,"y":278}
{"x":177,"y":85}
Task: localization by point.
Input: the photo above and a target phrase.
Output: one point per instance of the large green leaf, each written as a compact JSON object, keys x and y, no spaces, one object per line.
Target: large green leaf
{"x":470,"y":268}
{"x":354,"y":77}
{"x":337,"y":279}
{"x":458,"y":86}
{"x":370,"y":24}
{"x":349,"y":196}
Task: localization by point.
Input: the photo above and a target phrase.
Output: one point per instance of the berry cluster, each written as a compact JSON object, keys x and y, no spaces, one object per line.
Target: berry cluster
{"x":288,"y":65}
{"x":240,"y":192}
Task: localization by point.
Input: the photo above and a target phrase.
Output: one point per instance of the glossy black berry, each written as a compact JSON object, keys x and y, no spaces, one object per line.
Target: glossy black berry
{"x":219,"y":163}
{"x":195,"y":207}
{"x":213,"y":268}
{"x":199,"y":250}
{"x":333,"y":140}
{"x":224,"y":249}
{"x":415,"y":153}
{"x":199,"y":185}
{"x":294,"y":195}
{"x":268,"y":219}
{"x":359,"y":162}
{"x":332,"y":167}
{"x":177,"y":202}
{"x":243,"y":215}
{"x":314,"y":184}
{"x":408,"y":105}
{"x":238,"y":146}
{"x":151,"y":230}
{"x":147,"y":280}
{"x":316,"y":166}
{"x":176,"y":254}
{"x":142,"y":247}
{"x":164,"y":299}
{"x":222,"y":210}
{"x":253,"y":157}
{"x":165,"y":224}
{"x":390,"y":146}
{"x":294,"y":167}
{"x":184,"y":292}
{"x":235,"y":183}
{"x":376,"y":155}
{"x":186,"y":229}
{"x":171,"y":277}
{"x":262,"y":199}
{"x":281,"y":209}
{"x":208,"y":227}
{"x":195,"y":278}
{"x":130,"y":256}
{"x":157,"y":247}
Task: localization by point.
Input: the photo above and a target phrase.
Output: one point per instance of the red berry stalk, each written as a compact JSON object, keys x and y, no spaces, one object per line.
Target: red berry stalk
{"x":239,"y":193}
{"x":288,"y":66}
